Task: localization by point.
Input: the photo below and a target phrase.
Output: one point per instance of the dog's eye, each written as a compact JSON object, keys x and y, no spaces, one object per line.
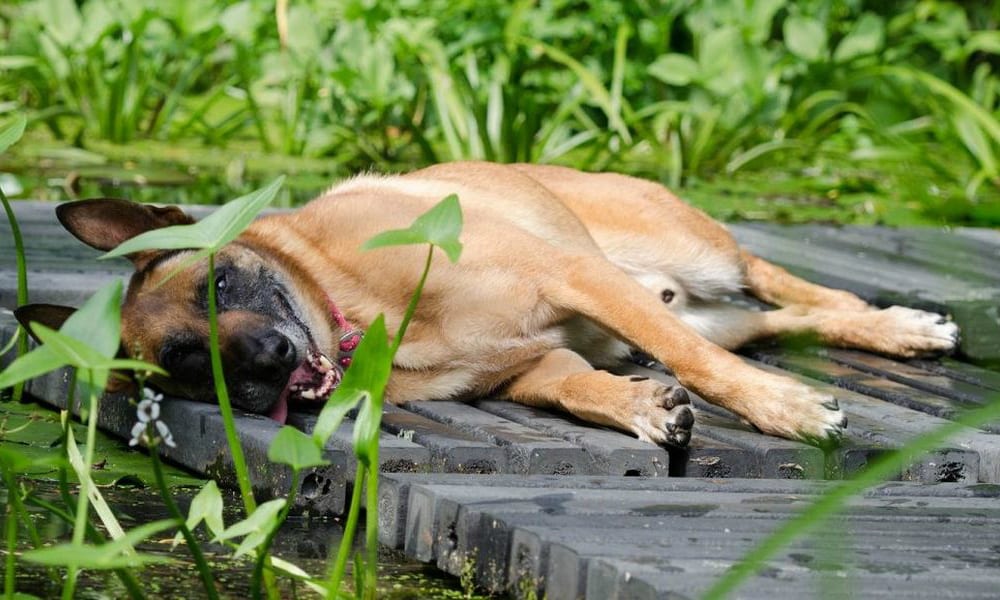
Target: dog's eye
{"x":221,"y":285}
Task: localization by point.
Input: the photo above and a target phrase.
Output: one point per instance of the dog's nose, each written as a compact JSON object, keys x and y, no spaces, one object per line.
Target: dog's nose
{"x":270,"y":354}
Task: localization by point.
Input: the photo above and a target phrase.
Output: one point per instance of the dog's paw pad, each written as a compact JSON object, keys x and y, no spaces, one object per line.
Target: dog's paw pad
{"x":663,"y":415}
{"x":673,"y":396}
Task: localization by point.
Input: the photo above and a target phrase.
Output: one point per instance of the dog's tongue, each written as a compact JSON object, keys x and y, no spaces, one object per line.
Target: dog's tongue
{"x":313,"y":380}
{"x":279,"y":412}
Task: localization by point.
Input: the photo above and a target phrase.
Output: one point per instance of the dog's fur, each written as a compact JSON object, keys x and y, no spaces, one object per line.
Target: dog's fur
{"x":562,"y":271}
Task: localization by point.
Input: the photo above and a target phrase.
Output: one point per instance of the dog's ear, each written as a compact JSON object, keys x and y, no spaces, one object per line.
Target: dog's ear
{"x":104,"y":223}
{"x":50,"y":315}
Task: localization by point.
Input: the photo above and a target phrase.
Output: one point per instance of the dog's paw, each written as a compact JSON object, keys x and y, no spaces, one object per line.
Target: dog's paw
{"x":908,"y":332}
{"x":662,"y":414}
{"x":796,"y":411}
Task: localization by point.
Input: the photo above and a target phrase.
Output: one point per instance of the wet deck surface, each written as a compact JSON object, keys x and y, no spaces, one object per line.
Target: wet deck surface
{"x":530,"y":499}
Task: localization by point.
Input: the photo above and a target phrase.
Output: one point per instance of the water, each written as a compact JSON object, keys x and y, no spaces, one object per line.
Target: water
{"x":303,"y":540}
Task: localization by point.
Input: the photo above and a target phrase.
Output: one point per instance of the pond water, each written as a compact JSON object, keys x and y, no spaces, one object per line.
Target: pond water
{"x":124,"y":476}
{"x":303,"y":540}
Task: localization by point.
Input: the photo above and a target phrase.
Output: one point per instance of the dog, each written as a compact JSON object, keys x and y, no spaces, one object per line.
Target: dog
{"x":563,"y":273}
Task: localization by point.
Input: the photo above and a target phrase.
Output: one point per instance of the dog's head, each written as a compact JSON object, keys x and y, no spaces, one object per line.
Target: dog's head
{"x":275,"y":329}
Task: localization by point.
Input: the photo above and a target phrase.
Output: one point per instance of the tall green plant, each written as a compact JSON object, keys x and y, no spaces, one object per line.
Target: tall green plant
{"x":10,"y":133}
{"x":208,"y":236}
{"x":88,"y":342}
{"x":364,"y":384}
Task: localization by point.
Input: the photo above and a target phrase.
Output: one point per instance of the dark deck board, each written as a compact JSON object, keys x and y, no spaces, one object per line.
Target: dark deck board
{"x":525,"y":535}
{"x":531,"y":499}
{"x":612,"y":452}
{"x":956,"y":277}
{"x":529,"y":451}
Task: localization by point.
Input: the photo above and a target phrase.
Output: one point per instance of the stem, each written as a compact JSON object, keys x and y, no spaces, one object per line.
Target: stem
{"x":239,"y":462}
{"x":199,"y":559}
{"x":371,"y":527}
{"x":25,"y":520}
{"x":262,"y":552}
{"x":12,"y":491}
{"x":22,"y":281}
{"x":340,"y":565}
{"x":83,"y":498}
{"x":67,"y":498}
{"x":412,"y":306}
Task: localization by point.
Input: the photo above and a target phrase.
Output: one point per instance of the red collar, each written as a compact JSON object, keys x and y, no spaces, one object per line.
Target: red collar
{"x":349,"y":340}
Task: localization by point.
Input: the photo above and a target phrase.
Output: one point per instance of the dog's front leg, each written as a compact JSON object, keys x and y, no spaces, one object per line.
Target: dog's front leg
{"x":593,"y":287}
{"x":654,"y":412}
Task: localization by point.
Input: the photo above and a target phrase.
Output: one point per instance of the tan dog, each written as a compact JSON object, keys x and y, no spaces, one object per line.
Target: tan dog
{"x":562,"y":270}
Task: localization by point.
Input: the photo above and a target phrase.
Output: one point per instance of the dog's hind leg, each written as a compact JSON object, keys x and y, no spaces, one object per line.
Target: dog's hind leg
{"x":651,"y":410}
{"x":779,"y":405}
{"x":896,"y":330}
{"x":775,"y":285}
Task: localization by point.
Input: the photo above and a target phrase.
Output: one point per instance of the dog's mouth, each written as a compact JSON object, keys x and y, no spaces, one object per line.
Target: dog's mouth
{"x":311,"y":381}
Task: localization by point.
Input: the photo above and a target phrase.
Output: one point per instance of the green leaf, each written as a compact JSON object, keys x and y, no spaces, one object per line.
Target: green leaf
{"x":14,"y":460}
{"x":441,"y":226}
{"x":805,"y":38}
{"x":62,"y":20}
{"x":340,"y":403}
{"x":240,"y":21}
{"x":211,"y":233}
{"x":976,"y":142}
{"x":89,"y":339}
{"x":12,"y":131}
{"x":674,"y":69}
{"x":71,"y":351}
{"x":207,"y":506}
{"x":761,"y":15}
{"x":366,"y":379}
{"x":39,"y":361}
{"x":296,"y":449}
{"x":87,"y":557}
{"x":98,"y":322}
{"x":983,"y":41}
{"x":113,"y":555}
{"x":12,"y":62}
{"x":599,"y":94}
{"x":101,"y":507}
{"x":372,"y":378}
{"x":961,"y":101}
{"x":865,"y":38}
{"x":367,"y":430}
{"x":255,"y":527}
{"x":33,"y":430}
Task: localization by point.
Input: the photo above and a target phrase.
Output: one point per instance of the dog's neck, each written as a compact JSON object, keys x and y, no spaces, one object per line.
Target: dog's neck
{"x":349,"y":340}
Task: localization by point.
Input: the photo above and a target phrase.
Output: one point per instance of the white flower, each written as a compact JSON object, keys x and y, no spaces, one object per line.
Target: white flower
{"x":148,"y":415}
{"x":138,"y":434}
{"x":147,"y":411}
{"x":165,"y":435}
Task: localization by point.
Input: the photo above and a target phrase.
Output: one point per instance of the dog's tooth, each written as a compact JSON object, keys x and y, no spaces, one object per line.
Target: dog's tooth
{"x":325,"y":362}
{"x":308,"y":395}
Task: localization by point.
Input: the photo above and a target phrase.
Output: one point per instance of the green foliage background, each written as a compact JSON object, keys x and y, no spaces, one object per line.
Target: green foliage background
{"x":816,"y":109}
